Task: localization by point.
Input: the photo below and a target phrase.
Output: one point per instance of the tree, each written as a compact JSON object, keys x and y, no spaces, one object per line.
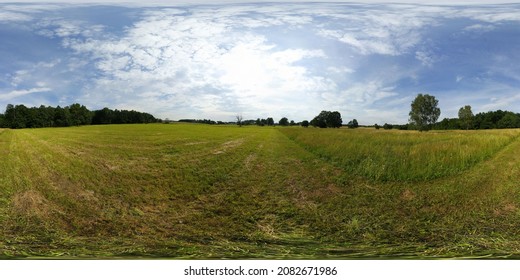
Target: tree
{"x":353,"y":124}
{"x":284,"y":121}
{"x":334,"y":119}
{"x":466,"y":117}
{"x":509,"y":120}
{"x":320,"y":120}
{"x":79,"y":115}
{"x":305,"y":123}
{"x":327,"y":119}
{"x":270,"y":121}
{"x":16,"y":116}
{"x":62,"y":116}
{"x":239,"y":119}
{"x":424,"y":111}
{"x":3,"y":123}
{"x":103,"y":116}
{"x":20,"y":116}
{"x":377,"y":126}
{"x":387,"y":126}
{"x":447,"y":123}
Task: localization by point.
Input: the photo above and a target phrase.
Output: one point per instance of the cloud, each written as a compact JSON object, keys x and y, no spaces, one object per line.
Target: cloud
{"x":22,"y":13}
{"x":18,"y":93}
{"x":382,"y":30}
{"x":57,"y":27}
{"x":6,"y":16}
{"x":196,"y":61}
{"x":211,"y":59}
{"x":426,"y":57}
{"x":480,"y":28}
{"x":360,"y":99}
{"x":286,"y":59}
{"x":500,"y":101}
{"x":493,"y":14}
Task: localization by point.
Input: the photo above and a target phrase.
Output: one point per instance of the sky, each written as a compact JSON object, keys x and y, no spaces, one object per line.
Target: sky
{"x":209,"y":60}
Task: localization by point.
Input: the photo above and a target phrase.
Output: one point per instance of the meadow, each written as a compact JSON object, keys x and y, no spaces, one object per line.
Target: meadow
{"x":200,"y":191}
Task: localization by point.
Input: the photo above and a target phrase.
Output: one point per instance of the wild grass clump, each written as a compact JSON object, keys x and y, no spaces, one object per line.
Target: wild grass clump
{"x":402,"y":155}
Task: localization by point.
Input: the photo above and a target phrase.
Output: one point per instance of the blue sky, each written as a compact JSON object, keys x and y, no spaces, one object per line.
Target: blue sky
{"x":200,"y":60}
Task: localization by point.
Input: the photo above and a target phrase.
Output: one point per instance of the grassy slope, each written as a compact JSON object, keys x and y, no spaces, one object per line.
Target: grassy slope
{"x":207,"y":191}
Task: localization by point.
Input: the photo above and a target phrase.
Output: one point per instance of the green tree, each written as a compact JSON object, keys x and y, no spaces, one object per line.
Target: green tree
{"x":62,"y":117}
{"x":353,"y":124}
{"x":388,"y":126}
{"x":305,"y":123}
{"x":3,"y":123}
{"x":446,"y":123}
{"x":466,"y":117}
{"x":283,"y":121}
{"x":16,"y":116}
{"x":327,"y":119}
{"x":320,"y":120}
{"x":424,"y":111}
{"x":79,"y":115}
{"x":334,"y":119}
{"x":270,"y":121}
{"x":103,"y":116}
{"x":509,"y":120}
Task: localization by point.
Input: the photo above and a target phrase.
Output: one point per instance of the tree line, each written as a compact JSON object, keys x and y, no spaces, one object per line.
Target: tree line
{"x":425,"y":112}
{"x":423,"y":116}
{"x":20,"y":116}
{"x":489,"y":120}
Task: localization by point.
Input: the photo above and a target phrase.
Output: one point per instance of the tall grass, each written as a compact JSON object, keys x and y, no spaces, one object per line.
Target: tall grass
{"x":402,"y":155}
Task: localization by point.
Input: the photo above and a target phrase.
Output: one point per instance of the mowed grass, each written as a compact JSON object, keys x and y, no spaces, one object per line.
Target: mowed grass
{"x":200,"y":191}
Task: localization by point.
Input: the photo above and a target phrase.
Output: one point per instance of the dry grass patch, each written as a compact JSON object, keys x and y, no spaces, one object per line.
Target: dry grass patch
{"x":31,"y":203}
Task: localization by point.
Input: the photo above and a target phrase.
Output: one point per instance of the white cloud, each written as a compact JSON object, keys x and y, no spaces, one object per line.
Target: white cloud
{"x":168,"y":3}
{"x":360,"y":99}
{"x":6,"y":16}
{"x":218,"y":60}
{"x":167,"y":58}
{"x":62,"y":28}
{"x":366,"y":94}
{"x":501,"y":101}
{"x":26,"y":12}
{"x":480,"y":28}
{"x":425,"y":57}
{"x":383,"y":30}
{"x":18,"y":93}
{"x":494,"y":15}
{"x":28,"y":74}
{"x":340,"y":70}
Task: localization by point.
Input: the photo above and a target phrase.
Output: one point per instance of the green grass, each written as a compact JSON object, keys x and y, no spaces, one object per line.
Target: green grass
{"x":403,"y":155}
{"x":200,"y":191}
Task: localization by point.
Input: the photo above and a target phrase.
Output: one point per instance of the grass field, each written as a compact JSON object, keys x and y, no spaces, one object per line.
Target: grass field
{"x":200,"y":191}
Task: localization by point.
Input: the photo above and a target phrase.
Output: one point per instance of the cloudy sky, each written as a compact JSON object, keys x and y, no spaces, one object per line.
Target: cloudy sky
{"x":199,"y":60}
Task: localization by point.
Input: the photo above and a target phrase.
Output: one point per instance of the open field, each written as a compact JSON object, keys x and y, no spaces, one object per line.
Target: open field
{"x":200,"y":191}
